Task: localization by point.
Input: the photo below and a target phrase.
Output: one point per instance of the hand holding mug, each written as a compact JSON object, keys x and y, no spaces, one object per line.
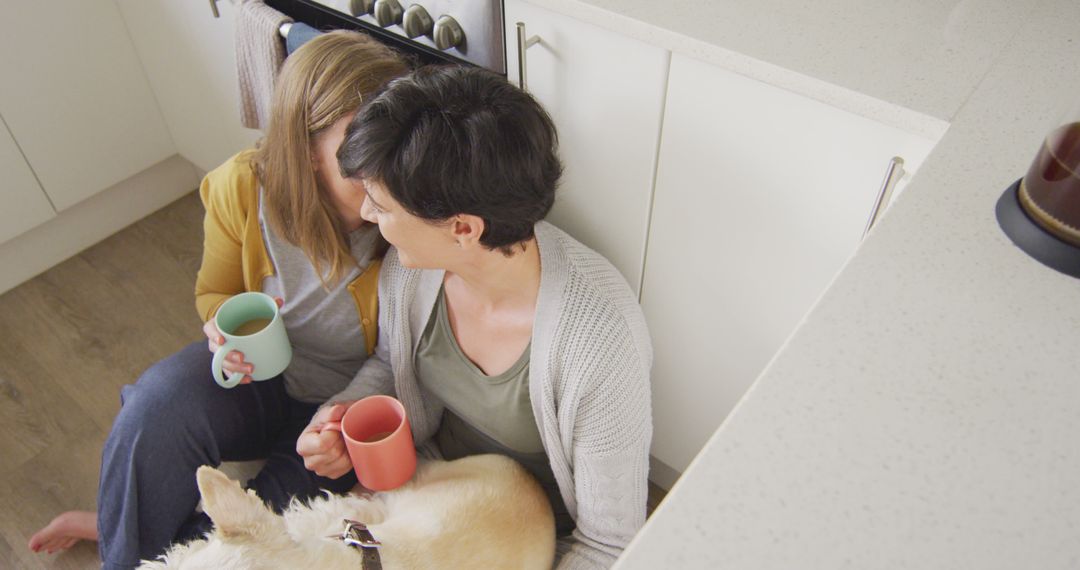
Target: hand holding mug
{"x":324,"y":450}
{"x":378,"y":438}
{"x":234,"y":361}
{"x":248,"y":339}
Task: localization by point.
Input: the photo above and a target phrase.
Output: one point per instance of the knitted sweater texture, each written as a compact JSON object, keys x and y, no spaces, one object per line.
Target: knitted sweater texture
{"x":589,"y":385}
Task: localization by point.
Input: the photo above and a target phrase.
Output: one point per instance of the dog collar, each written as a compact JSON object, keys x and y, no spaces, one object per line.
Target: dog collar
{"x":357,"y":535}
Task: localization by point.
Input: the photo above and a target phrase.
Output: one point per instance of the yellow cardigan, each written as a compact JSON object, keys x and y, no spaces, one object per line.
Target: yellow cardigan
{"x":235,"y":259}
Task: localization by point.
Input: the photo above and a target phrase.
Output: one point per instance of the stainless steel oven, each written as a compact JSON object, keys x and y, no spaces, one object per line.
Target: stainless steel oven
{"x":432,"y":31}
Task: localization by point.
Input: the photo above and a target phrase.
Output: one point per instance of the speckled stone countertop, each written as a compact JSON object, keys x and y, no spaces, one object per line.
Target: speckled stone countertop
{"x":926,"y":414}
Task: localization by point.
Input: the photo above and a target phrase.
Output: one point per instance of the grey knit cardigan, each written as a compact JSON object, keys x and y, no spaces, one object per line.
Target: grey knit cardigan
{"x":589,"y":384}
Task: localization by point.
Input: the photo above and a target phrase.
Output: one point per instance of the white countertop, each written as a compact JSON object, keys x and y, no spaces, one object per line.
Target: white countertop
{"x":927,"y":412}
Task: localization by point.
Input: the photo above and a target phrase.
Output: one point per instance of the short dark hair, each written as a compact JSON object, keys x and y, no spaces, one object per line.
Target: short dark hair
{"x":448,"y":140}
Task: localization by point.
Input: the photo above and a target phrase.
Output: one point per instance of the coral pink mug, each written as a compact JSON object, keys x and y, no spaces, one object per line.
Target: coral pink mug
{"x":379,"y":441}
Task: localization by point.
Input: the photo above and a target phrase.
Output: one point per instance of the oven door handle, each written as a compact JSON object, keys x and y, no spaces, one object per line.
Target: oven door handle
{"x":523,"y":44}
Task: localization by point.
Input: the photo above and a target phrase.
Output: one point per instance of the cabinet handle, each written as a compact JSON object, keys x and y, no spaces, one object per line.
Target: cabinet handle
{"x":213,"y":9}
{"x":892,"y":175}
{"x":523,"y":44}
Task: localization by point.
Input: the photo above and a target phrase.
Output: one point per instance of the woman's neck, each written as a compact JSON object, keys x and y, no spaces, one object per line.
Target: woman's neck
{"x":498,"y":281}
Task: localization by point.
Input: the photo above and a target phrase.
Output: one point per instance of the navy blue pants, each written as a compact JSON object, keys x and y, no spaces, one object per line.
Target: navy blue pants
{"x":175,"y":419}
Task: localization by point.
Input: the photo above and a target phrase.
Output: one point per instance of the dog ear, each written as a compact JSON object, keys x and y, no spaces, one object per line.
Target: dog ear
{"x":236,"y":513}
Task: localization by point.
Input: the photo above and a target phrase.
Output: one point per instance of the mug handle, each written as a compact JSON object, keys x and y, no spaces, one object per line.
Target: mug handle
{"x":219,"y":374}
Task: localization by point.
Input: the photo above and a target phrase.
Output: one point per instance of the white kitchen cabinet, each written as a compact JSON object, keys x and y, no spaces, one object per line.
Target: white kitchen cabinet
{"x":761,"y":197}
{"x":190,"y":61}
{"x":75,"y":98}
{"x":605,"y":93}
{"x":24,"y":202}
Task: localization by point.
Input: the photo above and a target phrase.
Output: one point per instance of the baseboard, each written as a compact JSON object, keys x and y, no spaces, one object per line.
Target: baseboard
{"x":662,"y":474}
{"x":94,"y":219}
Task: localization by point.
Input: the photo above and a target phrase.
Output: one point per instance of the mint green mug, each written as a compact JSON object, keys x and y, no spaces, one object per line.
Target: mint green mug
{"x":252,"y":324}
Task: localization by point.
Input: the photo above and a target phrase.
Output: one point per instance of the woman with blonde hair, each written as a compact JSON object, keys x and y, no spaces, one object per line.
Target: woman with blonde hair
{"x":280,"y":219}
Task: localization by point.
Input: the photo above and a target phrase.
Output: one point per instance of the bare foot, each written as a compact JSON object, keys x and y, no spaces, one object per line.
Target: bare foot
{"x":64,"y":531}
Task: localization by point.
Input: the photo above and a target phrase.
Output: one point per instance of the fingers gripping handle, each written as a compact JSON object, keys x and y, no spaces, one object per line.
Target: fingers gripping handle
{"x":216,"y":369}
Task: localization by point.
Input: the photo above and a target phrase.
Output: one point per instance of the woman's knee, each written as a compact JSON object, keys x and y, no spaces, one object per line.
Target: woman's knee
{"x":181,"y":377}
{"x":173,"y":389}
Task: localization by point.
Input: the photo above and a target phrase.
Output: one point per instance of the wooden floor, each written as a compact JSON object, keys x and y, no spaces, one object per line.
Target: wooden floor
{"x":69,"y":339}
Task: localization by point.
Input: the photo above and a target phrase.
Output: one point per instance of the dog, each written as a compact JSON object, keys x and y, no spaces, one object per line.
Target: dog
{"x":482,"y":511}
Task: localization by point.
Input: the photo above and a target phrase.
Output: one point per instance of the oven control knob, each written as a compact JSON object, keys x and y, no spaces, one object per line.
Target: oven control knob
{"x":417,"y":22}
{"x":388,"y":12}
{"x":448,"y":33}
{"x":361,"y":7}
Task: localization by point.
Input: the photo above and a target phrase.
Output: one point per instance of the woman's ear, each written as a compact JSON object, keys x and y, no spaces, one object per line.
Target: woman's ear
{"x":467,"y":229}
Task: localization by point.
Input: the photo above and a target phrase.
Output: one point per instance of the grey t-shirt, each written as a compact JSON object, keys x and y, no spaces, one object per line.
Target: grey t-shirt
{"x":323,"y":325}
{"x":484,"y":414}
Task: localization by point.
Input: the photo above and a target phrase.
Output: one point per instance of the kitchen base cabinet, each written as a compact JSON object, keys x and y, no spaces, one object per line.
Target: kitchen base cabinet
{"x":75,"y":97}
{"x":605,"y":93}
{"x":761,"y":197}
{"x":24,"y":204}
{"x":94,"y":219}
{"x":190,"y":61}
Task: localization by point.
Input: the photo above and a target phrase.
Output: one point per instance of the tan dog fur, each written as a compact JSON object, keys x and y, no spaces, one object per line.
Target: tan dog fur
{"x":483,"y":511}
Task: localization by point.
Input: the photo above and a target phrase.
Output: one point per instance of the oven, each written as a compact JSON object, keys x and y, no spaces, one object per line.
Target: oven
{"x":430,"y":31}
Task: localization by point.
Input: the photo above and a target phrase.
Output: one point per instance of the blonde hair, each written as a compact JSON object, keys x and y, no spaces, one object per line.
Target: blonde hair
{"x":327,"y":78}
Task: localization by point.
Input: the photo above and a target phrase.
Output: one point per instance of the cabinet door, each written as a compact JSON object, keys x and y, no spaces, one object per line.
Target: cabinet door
{"x":75,"y":97}
{"x":761,"y":197}
{"x":24,"y":202}
{"x":191,"y":62}
{"x":605,"y":93}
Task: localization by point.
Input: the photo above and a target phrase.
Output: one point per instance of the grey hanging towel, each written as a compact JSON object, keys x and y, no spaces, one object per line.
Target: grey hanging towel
{"x":260,"y":50}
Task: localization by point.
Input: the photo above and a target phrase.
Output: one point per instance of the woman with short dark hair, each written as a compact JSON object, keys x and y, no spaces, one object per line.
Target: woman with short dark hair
{"x":499,"y":332}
